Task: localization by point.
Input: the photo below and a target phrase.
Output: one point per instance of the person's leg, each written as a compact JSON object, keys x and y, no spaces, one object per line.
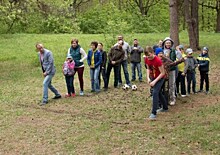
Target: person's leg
{"x":100,"y":76}
{"x":68,"y":84}
{"x":96,"y":79}
{"x":109,"y":68}
{"x":178,"y":82}
{"x":119,"y":75}
{"x":172,"y":79}
{"x":139,"y":71}
{"x":163,"y":100}
{"x":201,"y":80}
{"x":194,"y":82}
{"x":46,"y":82}
{"x":156,"y":90}
{"x":189,"y":79}
{"x":125,"y":69}
{"x":116,"y":75}
{"x":183,"y":84}
{"x":71,"y":85}
{"x":133,"y":71}
{"x":92,"y":72}
{"x":104,"y":76}
{"x":207,"y":81}
{"x":80,"y":76}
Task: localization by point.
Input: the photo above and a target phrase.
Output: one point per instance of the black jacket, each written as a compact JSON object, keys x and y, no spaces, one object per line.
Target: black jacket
{"x":203,"y":60}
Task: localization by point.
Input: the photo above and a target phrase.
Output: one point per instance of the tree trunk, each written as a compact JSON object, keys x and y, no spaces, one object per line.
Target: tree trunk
{"x":195,"y":20}
{"x":174,"y":26}
{"x":203,"y":19}
{"x":218,"y":16}
{"x":192,"y":39}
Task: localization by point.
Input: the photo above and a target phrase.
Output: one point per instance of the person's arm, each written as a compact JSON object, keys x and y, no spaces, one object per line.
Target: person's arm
{"x":121,"y":58}
{"x":84,"y":55}
{"x":161,"y":75}
{"x":89,"y":58}
{"x":186,"y":67}
{"x":104,"y":55}
{"x":140,"y":50}
{"x":148,"y":73}
{"x":50,"y":63}
{"x":100,"y":60}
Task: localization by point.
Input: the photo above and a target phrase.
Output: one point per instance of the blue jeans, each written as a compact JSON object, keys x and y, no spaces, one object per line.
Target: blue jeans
{"x":47,"y":84}
{"x":158,"y":97}
{"x":191,"y":77}
{"x":116,"y":74}
{"x":124,"y":65}
{"x":94,"y":76}
{"x":69,"y":84}
{"x":135,"y":65}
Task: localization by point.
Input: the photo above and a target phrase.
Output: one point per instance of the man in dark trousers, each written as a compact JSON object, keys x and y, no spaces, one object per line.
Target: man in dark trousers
{"x":115,"y":57}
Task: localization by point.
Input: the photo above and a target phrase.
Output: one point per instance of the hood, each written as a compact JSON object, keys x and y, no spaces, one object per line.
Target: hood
{"x":167,"y":38}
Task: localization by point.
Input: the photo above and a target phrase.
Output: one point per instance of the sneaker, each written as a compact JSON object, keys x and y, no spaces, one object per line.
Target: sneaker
{"x":73,"y":94}
{"x":81,"y":93}
{"x":207,"y":92}
{"x":92,"y":91}
{"x":119,"y":84}
{"x":132,"y":79}
{"x":162,"y":110}
{"x":105,"y":89}
{"x":195,"y":92}
{"x":43,"y":103}
{"x":183,"y":95}
{"x":140,"y":80}
{"x":57,"y":97}
{"x":152,"y":117}
{"x":172,"y":103}
{"x":67,"y":95}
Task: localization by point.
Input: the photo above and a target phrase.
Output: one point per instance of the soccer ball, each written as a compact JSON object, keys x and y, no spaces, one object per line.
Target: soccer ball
{"x":134,"y":87}
{"x":125,"y":87}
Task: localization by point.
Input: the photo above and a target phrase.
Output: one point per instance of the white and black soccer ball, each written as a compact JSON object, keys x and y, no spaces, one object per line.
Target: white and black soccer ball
{"x":134,"y":87}
{"x":125,"y":87}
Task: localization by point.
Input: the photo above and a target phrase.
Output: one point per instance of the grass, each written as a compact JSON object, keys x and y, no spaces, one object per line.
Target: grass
{"x":113,"y":122}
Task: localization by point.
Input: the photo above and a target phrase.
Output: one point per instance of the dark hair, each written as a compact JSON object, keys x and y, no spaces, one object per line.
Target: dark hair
{"x":122,"y":41}
{"x":100,"y":43}
{"x":75,"y":40}
{"x":148,"y":50}
{"x":95,"y":43}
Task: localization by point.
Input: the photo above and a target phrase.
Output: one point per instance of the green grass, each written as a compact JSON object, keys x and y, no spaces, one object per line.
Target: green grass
{"x":113,"y":122}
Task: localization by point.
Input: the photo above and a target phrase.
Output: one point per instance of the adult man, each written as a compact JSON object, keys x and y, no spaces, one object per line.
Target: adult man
{"x":115,"y":57}
{"x":124,"y":63}
{"x":48,"y":68}
{"x":136,"y":51}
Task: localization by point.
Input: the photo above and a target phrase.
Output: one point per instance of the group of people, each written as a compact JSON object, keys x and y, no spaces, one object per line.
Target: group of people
{"x":166,"y":67}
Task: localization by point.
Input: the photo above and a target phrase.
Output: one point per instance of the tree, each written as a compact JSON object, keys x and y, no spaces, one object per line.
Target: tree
{"x":189,"y":21}
{"x":216,"y":6}
{"x":174,"y":27}
{"x":76,"y":4}
{"x":144,"y":5}
{"x":195,"y":20}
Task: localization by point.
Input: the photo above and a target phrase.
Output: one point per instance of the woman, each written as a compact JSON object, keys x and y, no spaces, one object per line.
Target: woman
{"x":79,"y":55}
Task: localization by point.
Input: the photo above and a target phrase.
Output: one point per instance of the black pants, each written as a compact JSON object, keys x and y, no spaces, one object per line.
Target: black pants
{"x":116,"y":74}
{"x":191,"y":78}
{"x":180,"y":81}
{"x":204,"y":76}
{"x":103,"y":73}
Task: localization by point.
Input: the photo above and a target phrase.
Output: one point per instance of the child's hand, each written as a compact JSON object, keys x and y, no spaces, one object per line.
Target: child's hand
{"x":183,"y":74}
{"x":152,"y":83}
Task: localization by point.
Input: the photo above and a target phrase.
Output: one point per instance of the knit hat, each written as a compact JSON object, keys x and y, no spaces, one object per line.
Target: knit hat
{"x":205,"y":49}
{"x":181,"y":47}
{"x":189,"y":51}
{"x":155,"y":47}
{"x":158,"y":50}
{"x":69,"y":57}
{"x":166,"y":39}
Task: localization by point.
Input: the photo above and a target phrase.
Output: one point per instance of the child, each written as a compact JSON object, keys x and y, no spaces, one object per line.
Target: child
{"x":155,"y":64}
{"x":203,"y":61}
{"x":94,"y":60}
{"x":171,"y":54}
{"x":68,"y":72}
{"x":189,"y":70}
{"x":180,"y":80}
{"x":167,"y":63}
